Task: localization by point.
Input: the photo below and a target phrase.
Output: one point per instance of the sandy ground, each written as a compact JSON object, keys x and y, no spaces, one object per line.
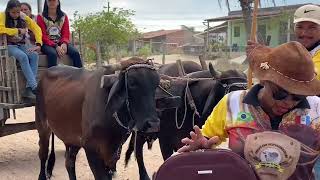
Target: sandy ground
{"x":19,"y":157}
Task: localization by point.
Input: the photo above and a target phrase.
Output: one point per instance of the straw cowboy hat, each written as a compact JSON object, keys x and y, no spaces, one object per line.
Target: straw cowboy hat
{"x":289,"y":65}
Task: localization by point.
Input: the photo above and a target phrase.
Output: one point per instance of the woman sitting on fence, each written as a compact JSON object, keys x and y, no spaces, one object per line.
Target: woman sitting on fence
{"x":56,"y":34}
{"x":16,"y":24}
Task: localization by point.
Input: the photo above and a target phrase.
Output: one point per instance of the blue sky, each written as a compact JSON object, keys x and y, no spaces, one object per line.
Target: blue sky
{"x":164,"y":14}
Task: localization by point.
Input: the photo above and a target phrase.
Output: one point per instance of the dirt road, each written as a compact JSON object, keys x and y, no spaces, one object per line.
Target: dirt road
{"x":19,"y":157}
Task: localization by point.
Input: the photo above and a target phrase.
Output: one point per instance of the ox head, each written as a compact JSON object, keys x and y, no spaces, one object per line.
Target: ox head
{"x":226,"y":81}
{"x":133,"y":93}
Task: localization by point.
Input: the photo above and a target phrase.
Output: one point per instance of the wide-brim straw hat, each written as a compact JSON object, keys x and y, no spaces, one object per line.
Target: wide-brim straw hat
{"x":289,"y":65}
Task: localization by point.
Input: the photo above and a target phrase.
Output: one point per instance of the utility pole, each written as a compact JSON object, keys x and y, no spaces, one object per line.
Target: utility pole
{"x":108,"y":6}
{"x":39,"y":2}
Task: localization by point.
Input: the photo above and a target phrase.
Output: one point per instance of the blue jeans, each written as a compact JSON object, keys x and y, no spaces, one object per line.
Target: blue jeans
{"x":28,"y":62}
{"x":316,"y":169}
{"x":53,"y":55}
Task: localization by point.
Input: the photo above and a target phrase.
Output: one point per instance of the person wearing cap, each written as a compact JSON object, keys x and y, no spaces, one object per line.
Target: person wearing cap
{"x":307,"y":31}
{"x":283,"y":97}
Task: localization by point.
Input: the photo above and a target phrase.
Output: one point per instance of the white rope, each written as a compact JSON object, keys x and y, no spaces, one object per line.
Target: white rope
{"x":185,"y":108}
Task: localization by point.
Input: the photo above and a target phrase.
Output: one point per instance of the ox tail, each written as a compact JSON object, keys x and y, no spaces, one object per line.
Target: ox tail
{"x":130,"y":149}
{"x":52,"y":157}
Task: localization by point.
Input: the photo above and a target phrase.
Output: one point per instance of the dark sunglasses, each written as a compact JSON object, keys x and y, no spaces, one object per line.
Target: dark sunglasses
{"x":282,"y":94}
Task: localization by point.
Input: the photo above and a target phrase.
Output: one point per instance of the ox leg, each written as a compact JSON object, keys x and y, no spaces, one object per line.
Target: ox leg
{"x":70,"y":163}
{"x":52,"y":158}
{"x":139,"y":155}
{"x":130,"y":148}
{"x":97,"y":166}
{"x":166,"y":147}
{"x":44,"y":137}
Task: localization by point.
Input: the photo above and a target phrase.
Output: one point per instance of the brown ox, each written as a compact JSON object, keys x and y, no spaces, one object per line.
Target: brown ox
{"x":94,"y":111}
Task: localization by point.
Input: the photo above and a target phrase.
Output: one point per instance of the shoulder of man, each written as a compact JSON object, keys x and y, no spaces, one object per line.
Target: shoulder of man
{"x":315,"y":51}
{"x":314,"y":102}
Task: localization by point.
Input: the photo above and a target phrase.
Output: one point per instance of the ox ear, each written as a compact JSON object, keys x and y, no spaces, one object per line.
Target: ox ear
{"x":214,"y":73}
{"x":211,"y":101}
{"x":108,"y":80}
{"x":168,"y":102}
{"x":117,"y":94}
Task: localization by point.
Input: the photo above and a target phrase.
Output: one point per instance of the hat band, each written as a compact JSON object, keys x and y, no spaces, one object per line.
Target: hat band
{"x":266,"y":66}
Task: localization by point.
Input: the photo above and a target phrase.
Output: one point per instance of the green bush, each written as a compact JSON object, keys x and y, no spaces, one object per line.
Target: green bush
{"x":145,"y":51}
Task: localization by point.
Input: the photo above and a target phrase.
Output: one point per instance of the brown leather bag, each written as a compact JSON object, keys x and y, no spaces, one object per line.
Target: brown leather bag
{"x":216,"y":164}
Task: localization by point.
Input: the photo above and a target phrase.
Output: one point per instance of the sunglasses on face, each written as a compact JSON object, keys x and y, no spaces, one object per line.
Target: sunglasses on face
{"x":282,"y":94}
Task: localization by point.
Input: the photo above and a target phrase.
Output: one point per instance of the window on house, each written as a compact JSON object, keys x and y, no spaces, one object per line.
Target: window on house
{"x":283,"y":32}
{"x":262,"y":33}
{"x":236,"y":31}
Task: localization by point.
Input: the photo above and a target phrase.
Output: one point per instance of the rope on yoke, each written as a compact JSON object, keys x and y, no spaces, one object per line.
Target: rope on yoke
{"x":198,"y":79}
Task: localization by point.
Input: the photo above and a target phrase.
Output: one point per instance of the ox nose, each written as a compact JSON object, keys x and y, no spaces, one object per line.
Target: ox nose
{"x":152,"y":126}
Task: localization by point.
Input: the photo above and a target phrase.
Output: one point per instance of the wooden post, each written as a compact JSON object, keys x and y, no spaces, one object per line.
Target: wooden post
{"x":39,"y":3}
{"x":206,"y":45}
{"x":82,"y":50}
{"x":134,"y":48}
{"x":164,"y":50}
{"x":8,"y":72}
{"x":253,"y":37}
{"x":203,"y":63}
{"x":288,"y":30}
{"x":72,"y":39}
{"x":180,"y":68}
{"x":4,"y":57}
{"x":98,"y":53}
{"x":16,"y":89}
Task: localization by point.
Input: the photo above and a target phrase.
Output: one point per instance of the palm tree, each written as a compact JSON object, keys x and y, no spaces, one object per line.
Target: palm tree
{"x":246,"y":7}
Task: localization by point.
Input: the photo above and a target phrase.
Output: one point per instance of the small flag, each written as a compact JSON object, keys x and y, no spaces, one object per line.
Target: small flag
{"x":244,"y":116}
{"x":306,"y":120}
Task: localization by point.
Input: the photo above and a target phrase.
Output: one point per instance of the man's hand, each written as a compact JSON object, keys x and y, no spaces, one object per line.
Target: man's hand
{"x":197,"y":141}
{"x":34,"y":49}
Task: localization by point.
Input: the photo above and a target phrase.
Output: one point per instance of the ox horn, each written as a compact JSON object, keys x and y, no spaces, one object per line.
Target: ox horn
{"x":214,"y":73}
{"x":113,"y":67}
{"x":107,"y":80}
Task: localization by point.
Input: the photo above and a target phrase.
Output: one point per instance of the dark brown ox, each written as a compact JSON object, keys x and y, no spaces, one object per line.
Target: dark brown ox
{"x":94,"y":111}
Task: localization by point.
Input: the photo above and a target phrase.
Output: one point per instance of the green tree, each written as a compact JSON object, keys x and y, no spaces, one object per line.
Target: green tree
{"x":112,"y":28}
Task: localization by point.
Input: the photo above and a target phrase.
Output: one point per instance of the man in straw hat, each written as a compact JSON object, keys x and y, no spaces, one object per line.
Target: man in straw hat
{"x":307,"y":31}
{"x":284,"y":97}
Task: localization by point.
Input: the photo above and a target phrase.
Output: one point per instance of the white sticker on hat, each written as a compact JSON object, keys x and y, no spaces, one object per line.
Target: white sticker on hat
{"x":270,"y":155}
